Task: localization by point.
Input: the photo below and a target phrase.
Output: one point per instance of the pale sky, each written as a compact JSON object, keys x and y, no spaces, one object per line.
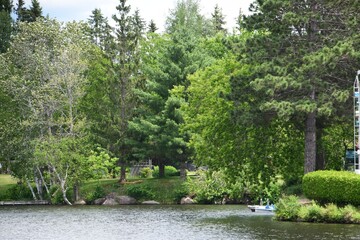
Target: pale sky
{"x":158,"y":10}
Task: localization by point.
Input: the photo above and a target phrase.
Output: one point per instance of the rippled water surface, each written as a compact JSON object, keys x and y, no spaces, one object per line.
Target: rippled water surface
{"x":158,"y":222}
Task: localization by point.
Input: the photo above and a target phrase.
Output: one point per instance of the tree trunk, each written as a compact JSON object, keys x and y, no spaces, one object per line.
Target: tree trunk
{"x":122,"y":172}
{"x":161,"y":168}
{"x":76,"y":191}
{"x":183,"y":170}
{"x":310,"y":143}
{"x":320,"y":153}
{"x":43,"y":180}
{"x":31,"y":189}
{"x":39,"y":186}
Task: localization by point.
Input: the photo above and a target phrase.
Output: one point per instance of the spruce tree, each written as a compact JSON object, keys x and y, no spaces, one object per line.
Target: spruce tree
{"x":128,"y":32}
{"x":35,"y":10}
{"x":167,"y":61}
{"x":5,"y":24}
{"x":218,"y":20}
{"x":100,"y":30}
{"x":152,"y":28}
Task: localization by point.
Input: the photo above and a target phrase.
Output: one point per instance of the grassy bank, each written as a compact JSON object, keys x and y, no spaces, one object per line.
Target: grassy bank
{"x":166,"y":190}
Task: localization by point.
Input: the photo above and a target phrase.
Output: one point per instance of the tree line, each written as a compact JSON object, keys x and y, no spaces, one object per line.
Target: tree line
{"x":270,"y":101}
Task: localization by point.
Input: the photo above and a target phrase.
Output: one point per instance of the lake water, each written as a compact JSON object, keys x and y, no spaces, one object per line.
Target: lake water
{"x":158,"y":222}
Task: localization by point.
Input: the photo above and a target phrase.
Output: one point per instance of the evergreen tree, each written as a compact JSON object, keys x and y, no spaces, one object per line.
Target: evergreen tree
{"x":6,"y":5}
{"x":152,"y":27}
{"x":128,"y":32}
{"x":218,"y":20}
{"x":25,"y":14}
{"x":35,"y":10}
{"x":167,"y":61}
{"x":100,"y":31}
{"x":302,"y":62}
{"x":5,"y":24}
{"x":20,"y":10}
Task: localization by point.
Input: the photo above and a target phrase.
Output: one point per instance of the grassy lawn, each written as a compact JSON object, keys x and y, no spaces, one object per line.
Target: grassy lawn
{"x":6,"y":180}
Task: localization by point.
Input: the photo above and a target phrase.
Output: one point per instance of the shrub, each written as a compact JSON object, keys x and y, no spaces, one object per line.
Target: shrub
{"x":181,"y":192}
{"x":97,"y":193}
{"x":333,"y":214}
{"x":349,"y":212}
{"x":140,"y":192}
{"x":146,"y":172}
{"x":19,"y":192}
{"x":311,"y":213}
{"x":169,"y":171}
{"x":338,"y":187}
{"x":56,"y":195}
{"x":287,"y":208}
{"x":208,"y":187}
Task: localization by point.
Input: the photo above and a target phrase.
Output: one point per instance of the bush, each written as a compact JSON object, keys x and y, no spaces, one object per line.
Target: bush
{"x":311,"y":213}
{"x":19,"y":192}
{"x":209,"y":187}
{"x":338,"y":187}
{"x":350,"y":214}
{"x":170,"y":171}
{"x":140,"y":192}
{"x":287,"y":208}
{"x":333,"y":214}
{"x":97,"y":193}
{"x":181,"y":192}
{"x":56,"y":195}
{"x":146,"y":172}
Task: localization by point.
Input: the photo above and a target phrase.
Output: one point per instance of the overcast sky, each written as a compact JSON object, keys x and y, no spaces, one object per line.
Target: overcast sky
{"x":67,"y":10}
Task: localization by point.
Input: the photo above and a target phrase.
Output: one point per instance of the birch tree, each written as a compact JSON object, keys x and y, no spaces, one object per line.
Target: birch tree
{"x":46,"y":65}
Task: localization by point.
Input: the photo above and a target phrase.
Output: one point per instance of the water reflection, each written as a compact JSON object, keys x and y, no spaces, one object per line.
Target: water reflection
{"x":158,"y":222}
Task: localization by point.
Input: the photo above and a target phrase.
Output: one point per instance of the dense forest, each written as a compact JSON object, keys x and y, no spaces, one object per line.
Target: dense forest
{"x":267,"y":102}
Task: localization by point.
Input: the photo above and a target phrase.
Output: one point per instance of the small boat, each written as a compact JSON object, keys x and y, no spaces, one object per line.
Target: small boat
{"x":268,"y":208}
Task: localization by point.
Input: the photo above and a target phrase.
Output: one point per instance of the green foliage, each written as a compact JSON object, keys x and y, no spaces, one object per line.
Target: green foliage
{"x":181,"y":191}
{"x":98,"y":192}
{"x":170,"y":171}
{"x":338,"y":187}
{"x":311,"y":213}
{"x":5,"y":30}
{"x":18,"y":192}
{"x":293,"y":190}
{"x":146,"y":172}
{"x":208,"y":187}
{"x":56,"y":195}
{"x":334,"y":214}
{"x":287,"y":209}
{"x":140,"y":192}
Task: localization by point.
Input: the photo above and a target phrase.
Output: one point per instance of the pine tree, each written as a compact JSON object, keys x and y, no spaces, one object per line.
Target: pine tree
{"x":5,"y":24}
{"x":35,"y":10}
{"x":6,"y":5}
{"x":302,"y":62}
{"x":167,"y":61}
{"x":128,"y":31}
{"x":152,"y":28}
{"x":218,"y":20}
{"x":25,"y":14}
{"x":100,"y":31}
{"x":20,"y":10}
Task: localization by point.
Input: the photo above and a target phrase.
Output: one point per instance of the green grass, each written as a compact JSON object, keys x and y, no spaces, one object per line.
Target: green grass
{"x":6,"y":181}
{"x":165,"y":190}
